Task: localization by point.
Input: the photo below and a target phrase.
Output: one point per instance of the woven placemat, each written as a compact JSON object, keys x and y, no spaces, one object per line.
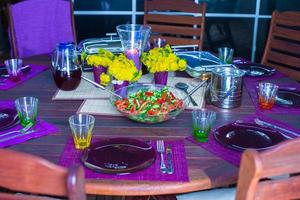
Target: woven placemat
{"x":86,"y":90}
{"x":104,"y":107}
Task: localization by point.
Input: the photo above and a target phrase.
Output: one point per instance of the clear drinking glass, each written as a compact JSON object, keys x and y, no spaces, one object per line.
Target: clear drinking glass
{"x":226,"y":54}
{"x":82,"y":126}
{"x":267,"y":94}
{"x":134,"y":38}
{"x":203,"y":120}
{"x":66,"y":68}
{"x":27,"y":108}
{"x":13,"y":67}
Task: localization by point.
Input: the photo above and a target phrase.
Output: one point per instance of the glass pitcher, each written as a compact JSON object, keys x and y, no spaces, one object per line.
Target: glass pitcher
{"x":66,"y":68}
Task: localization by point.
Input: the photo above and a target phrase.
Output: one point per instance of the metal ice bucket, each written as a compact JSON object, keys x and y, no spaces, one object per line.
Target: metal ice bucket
{"x":226,"y":87}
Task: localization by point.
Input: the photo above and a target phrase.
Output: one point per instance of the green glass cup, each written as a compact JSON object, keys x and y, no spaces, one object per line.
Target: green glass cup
{"x":203,"y":120}
{"x":27,"y":108}
{"x":226,"y":54}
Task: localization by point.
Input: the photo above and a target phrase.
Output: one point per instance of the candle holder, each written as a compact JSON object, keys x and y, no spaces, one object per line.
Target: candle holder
{"x":134,"y":38}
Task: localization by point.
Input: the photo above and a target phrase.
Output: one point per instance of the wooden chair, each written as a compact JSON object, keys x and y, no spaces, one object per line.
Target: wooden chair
{"x":283,"y":44}
{"x":259,"y":176}
{"x":27,"y":173}
{"x":182,"y":29}
{"x":36,"y":26}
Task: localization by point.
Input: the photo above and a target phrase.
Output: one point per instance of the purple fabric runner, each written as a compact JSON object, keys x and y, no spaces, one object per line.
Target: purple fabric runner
{"x":230,"y":155}
{"x":42,"y":128}
{"x":253,"y":92}
{"x":71,"y":156}
{"x":35,"y":70}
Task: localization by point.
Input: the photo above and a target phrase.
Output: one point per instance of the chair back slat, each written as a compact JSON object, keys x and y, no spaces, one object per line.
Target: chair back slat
{"x":283,"y":44}
{"x":27,"y":173}
{"x":183,"y":27}
{"x":175,"y":30}
{"x":171,"y":5}
{"x":174,"y":19}
{"x":272,"y":174}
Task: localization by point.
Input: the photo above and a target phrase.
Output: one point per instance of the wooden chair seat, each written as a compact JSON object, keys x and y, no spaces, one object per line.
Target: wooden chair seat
{"x":21,"y":172}
{"x":282,"y":49}
{"x":176,"y":21}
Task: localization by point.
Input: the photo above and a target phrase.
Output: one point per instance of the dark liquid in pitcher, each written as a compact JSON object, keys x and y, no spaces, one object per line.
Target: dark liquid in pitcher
{"x":67,"y":80}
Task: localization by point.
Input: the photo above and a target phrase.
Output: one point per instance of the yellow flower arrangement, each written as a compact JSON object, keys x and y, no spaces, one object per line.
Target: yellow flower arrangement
{"x":124,"y":69}
{"x":104,"y":79}
{"x":162,"y":59}
{"x":102,"y":58}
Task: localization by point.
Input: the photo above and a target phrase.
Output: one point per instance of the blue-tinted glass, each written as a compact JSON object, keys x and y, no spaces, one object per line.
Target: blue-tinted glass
{"x":268,"y":6}
{"x":262,"y":35}
{"x":103,"y":5}
{"x":96,"y":26}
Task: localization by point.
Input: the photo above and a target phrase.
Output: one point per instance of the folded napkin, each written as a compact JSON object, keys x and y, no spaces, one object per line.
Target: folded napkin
{"x":71,"y":156}
{"x":6,"y":84}
{"x":252,"y":88}
{"x":234,"y":156}
{"x":41,"y":128}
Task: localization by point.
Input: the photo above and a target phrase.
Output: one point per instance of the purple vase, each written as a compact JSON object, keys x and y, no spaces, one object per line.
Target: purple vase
{"x":97,"y":71}
{"x":133,"y":54}
{"x":120,"y":89}
{"x":161,"y":78}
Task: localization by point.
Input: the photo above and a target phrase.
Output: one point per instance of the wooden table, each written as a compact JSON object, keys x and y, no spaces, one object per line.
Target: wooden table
{"x":205,"y":169}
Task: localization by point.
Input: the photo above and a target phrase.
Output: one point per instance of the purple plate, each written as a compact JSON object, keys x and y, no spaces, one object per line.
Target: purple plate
{"x":290,"y":95}
{"x":241,"y":136}
{"x":118,"y":156}
{"x":8,"y":118}
{"x":257,"y":70}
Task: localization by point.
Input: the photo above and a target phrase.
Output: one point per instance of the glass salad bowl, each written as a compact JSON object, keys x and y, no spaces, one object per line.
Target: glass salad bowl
{"x":150,"y":103}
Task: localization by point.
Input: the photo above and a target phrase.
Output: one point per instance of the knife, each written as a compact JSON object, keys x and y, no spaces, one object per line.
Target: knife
{"x":170,"y":168}
{"x":269,"y":125}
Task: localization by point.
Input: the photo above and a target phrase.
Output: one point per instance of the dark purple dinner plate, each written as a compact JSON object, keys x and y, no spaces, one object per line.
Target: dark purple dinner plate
{"x":290,"y":95}
{"x":257,"y":70}
{"x":8,"y":118}
{"x":118,"y":156}
{"x":241,"y":136}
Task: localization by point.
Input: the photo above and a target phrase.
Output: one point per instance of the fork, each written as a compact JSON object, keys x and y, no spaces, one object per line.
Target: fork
{"x":23,"y":130}
{"x":161,"y":149}
{"x":18,"y":135}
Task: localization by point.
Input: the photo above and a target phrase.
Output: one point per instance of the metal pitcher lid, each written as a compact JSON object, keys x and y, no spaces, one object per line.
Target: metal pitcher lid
{"x":228,"y":71}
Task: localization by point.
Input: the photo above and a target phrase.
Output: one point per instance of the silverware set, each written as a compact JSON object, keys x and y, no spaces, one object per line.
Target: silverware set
{"x":169,"y":169}
{"x":17,"y":133}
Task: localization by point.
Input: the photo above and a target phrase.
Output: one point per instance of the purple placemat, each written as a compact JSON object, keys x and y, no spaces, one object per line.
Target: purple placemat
{"x":234,"y":156}
{"x":71,"y":156}
{"x":252,"y":88}
{"x":42,"y":128}
{"x":35,"y":70}
{"x":244,"y":62}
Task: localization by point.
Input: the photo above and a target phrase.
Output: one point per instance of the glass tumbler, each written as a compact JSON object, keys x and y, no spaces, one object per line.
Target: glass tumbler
{"x":203,"y":120}
{"x":226,"y":54}
{"x":267,"y":95}
{"x":82,"y":126}
{"x":13,"y":67}
{"x":27,"y":108}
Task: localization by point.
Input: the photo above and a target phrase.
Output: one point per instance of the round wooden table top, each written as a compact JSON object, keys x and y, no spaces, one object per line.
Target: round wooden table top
{"x":205,"y":169}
